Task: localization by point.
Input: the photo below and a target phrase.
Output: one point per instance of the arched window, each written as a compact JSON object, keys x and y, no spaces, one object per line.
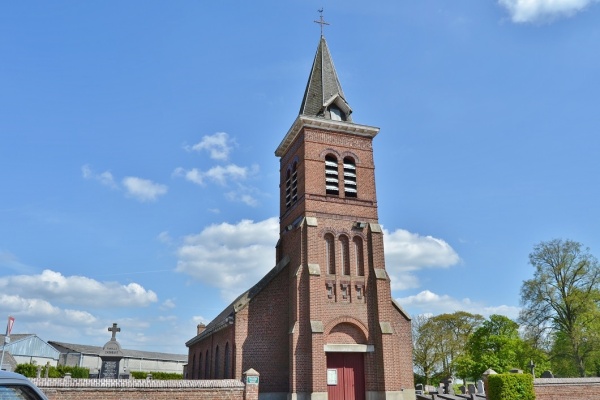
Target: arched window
{"x":199,"y":375}
{"x":206,"y":367}
{"x":350,"y":189}
{"x":330,"y":253}
{"x":217,"y":363}
{"x":194,"y":367}
{"x":226,"y":362}
{"x":331,"y":176}
{"x":358,"y":253}
{"x":345,"y":253}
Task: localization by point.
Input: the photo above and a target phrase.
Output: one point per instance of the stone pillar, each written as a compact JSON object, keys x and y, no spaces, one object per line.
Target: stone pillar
{"x":251,"y":379}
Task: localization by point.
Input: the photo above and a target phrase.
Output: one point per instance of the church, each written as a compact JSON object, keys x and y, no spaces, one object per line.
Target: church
{"x":322,"y":323}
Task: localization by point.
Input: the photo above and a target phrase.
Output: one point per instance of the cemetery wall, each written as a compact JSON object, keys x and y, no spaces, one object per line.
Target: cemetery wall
{"x":117,"y":389}
{"x":567,"y":388}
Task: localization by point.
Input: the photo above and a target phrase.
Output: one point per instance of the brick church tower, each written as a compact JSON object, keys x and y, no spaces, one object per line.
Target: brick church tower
{"x":322,"y":323}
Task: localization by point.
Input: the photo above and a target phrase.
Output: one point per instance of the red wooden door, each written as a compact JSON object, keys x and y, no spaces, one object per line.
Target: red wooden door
{"x":346,"y":376}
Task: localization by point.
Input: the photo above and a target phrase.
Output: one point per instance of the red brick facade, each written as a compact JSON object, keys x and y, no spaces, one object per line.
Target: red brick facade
{"x":329,"y":291}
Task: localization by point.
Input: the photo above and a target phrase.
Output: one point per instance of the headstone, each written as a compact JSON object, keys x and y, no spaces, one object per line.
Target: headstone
{"x":39,"y":372}
{"x":547,"y":374}
{"x":111,"y":356}
{"x":471,"y":388}
{"x":419,"y":388}
{"x":47,"y":369}
{"x":463,"y":389}
{"x":448,"y":386}
{"x":480,"y":389}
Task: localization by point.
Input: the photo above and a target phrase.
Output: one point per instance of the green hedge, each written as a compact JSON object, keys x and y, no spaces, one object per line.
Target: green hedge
{"x":30,"y":371}
{"x":510,"y":387}
{"x":159,"y":376}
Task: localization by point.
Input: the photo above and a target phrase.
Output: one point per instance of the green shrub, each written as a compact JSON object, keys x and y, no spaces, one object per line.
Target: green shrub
{"x":30,"y":371}
{"x":159,"y":376}
{"x":510,"y":387}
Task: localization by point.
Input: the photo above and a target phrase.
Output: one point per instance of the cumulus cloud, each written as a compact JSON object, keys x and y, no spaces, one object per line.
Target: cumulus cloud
{"x":105,"y":178}
{"x":143,"y":189}
{"x":217,"y":174}
{"x":406,"y":253}
{"x":41,"y":310}
{"x":137,"y":188}
{"x":231,"y":257}
{"x":218,"y":145}
{"x":523,"y":11}
{"x":427,"y":302}
{"x":76,"y":290}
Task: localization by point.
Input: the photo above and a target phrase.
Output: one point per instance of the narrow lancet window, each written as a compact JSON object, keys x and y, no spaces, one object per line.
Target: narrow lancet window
{"x":330,"y":253}
{"x":345,"y":254}
{"x":358,"y":253}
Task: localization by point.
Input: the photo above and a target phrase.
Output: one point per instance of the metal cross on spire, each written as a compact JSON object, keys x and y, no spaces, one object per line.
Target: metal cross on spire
{"x":321,"y":21}
{"x":114,"y":331}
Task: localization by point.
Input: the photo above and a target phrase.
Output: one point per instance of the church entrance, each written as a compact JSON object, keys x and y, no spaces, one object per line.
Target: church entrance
{"x":345,"y":376}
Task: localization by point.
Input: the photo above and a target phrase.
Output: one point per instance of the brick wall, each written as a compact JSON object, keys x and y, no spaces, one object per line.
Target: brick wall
{"x":567,"y":388}
{"x":113,"y":389}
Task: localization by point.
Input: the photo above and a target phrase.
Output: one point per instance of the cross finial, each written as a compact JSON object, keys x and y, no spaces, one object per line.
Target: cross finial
{"x":321,"y":21}
{"x":114,"y":331}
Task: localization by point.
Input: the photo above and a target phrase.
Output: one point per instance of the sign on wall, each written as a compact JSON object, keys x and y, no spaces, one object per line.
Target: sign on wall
{"x":332,"y":378}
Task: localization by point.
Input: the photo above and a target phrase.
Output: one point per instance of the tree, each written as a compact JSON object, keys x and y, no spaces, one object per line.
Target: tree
{"x":495,"y":344}
{"x":425,"y":358}
{"x":438,"y":341}
{"x":563,"y":298}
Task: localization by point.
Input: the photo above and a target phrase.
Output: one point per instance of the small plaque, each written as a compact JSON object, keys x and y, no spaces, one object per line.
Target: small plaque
{"x":252,"y":380}
{"x":332,"y":376}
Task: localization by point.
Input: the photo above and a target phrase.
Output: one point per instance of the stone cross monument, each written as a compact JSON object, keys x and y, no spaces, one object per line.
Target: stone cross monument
{"x":111,"y":356}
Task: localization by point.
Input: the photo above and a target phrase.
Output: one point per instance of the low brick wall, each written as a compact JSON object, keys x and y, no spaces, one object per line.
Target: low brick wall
{"x":567,"y":388}
{"x":120,"y":389}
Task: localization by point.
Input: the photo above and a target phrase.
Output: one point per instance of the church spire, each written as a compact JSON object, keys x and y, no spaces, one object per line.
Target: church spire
{"x":323,"y":96}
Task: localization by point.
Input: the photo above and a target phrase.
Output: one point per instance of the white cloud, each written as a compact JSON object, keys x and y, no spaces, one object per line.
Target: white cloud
{"x":427,"y":302}
{"x":164,"y":237}
{"x":230,"y":257}
{"x":76,"y":290}
{"x":407,"y":252}
{"x":523,"y":11}
{"x":143,"y":189}
{"x":218,"y":145}
{"x":105,"y":178}
{"x":218,"y":174}
{"x":36,"y":309}
{"x":168,"y":304}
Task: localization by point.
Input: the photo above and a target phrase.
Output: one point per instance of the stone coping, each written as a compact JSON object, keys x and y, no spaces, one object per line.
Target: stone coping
{"x":566,"y":381}
{"x":138,"y":383}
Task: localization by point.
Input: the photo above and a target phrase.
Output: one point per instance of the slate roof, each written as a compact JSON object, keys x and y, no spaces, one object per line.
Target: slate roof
{"x":97,"y":350}
{"x":323,"y":85}
{"x":226,"y":316}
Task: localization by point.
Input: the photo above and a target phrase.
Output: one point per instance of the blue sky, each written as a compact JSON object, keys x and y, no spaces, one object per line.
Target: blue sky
{"x":140,"y":186}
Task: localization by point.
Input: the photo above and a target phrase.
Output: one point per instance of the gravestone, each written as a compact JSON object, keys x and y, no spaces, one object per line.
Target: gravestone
{"x":547,"y":374}
{"x":111,"y":356}
{"x":480,"y":389}
{"x":472,"y":389}
{"x":419,"y":388}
